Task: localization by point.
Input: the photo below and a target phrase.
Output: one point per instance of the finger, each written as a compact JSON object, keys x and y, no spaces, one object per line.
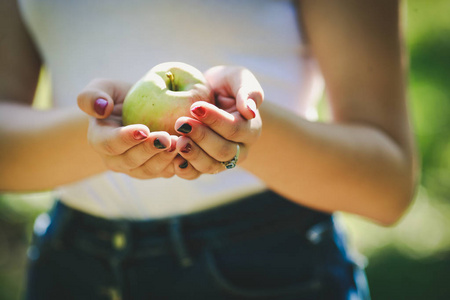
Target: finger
{"x":108,"y":138}
{"x":173,"y":143}
{"x":100,"y":96}
{"x":215,"y":145}
{"x":231,"y":126}
{"x":169,"y":171}
{"x":138,"y":155}
{"x":198,"y":158}
{"x":184,"y":169}
{"x":240,"y":84}
{"x":248,"y":93}
{"x":159,"y":165}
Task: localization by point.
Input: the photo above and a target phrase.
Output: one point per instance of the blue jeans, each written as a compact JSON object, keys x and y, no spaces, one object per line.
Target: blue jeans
{"x":260,"y":247}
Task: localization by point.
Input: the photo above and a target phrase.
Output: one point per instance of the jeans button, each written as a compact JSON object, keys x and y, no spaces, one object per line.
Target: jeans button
{"x":119,"y":240}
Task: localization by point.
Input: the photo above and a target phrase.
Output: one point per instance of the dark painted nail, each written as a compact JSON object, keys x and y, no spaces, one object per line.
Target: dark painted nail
{"x":187,"y":148}
{"x":199,"y":111}
{"x":185,"y":128}
{"x":140,"y":135}
{"x":158,"y":145}
{"x":184,"y":165}
{"x":100,"y":106}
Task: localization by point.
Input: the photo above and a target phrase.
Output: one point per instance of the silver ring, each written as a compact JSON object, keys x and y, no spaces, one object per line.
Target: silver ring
{"x":232,"y":163}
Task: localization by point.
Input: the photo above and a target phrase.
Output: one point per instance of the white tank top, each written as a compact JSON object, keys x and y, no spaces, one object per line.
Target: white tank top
{"x":85,"y":39}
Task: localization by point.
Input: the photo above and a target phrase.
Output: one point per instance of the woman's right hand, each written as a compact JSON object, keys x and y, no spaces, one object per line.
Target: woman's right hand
{"x":132,"y":149}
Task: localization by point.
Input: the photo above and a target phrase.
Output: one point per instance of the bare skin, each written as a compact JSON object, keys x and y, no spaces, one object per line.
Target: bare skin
{"x":72,"y":144}
{"x":361,"y":162}
{"x":120,"y":151}
{"x":31,"y":140}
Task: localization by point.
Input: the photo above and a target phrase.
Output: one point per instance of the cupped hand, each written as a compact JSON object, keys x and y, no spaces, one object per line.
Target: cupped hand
{"x":236,"y":88}
{"x":212,"y":135}
{"x":132,"y":149}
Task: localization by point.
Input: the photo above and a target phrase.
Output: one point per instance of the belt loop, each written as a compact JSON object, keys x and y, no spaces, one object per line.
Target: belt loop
{"x":316,"y":233}
{"x":61,"y":217}
{"x":122,"y":237}
{"x":178,"y":243}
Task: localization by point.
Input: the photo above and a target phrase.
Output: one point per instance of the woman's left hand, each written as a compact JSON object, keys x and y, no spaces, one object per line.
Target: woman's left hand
{"x":218,"y":133}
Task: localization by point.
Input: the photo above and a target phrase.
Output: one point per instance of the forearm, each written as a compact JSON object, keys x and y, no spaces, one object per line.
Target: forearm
{"x":43,"y":149}
{"x":353,"y":168}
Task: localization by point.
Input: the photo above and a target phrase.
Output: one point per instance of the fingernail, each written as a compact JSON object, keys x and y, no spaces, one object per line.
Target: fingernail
{"x":184,"y":165}
{"x":158,"y":145}
{"x":172,"y":148}
{"x":199,"y":111}
{"x":185,"y":128}
{"x":251,"y":106}
{"x":100,"y":106}
{"x":187,"y":148}
{"x":140,"y":135}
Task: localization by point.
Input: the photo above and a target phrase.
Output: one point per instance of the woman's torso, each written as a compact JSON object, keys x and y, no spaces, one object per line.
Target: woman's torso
{"x":84,"y":39}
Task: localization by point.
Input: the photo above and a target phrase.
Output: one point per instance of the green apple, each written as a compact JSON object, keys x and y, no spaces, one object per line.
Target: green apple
{"x":163,"y":95}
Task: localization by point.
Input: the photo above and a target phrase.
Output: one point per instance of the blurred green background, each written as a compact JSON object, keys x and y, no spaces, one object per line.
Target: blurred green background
{"x":410,"y":260}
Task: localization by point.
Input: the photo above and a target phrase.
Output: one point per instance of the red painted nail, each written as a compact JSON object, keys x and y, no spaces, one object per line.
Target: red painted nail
{"x":199,"y":111}
{"x":172,"y":148}
{"x":187,"y":148}
{"x":140,"y":135}
{"x":100,"y":106}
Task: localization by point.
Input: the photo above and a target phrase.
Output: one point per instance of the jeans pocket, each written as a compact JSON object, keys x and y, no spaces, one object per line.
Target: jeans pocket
{"x":278,"y":266}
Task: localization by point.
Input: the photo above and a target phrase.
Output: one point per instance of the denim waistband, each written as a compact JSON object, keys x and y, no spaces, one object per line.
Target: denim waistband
{"x":249,"y":216}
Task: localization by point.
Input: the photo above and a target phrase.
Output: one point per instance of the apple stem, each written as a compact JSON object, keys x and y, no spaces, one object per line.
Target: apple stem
{"x":172,"y":86}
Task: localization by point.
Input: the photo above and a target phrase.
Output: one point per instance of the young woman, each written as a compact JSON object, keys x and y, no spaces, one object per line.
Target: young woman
{"x":139,"y":219}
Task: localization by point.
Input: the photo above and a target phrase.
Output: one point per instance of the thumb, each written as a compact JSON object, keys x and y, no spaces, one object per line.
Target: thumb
{"x":248,"y":92}
{"x":247,"y":102}
{"x":98,"y":98}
